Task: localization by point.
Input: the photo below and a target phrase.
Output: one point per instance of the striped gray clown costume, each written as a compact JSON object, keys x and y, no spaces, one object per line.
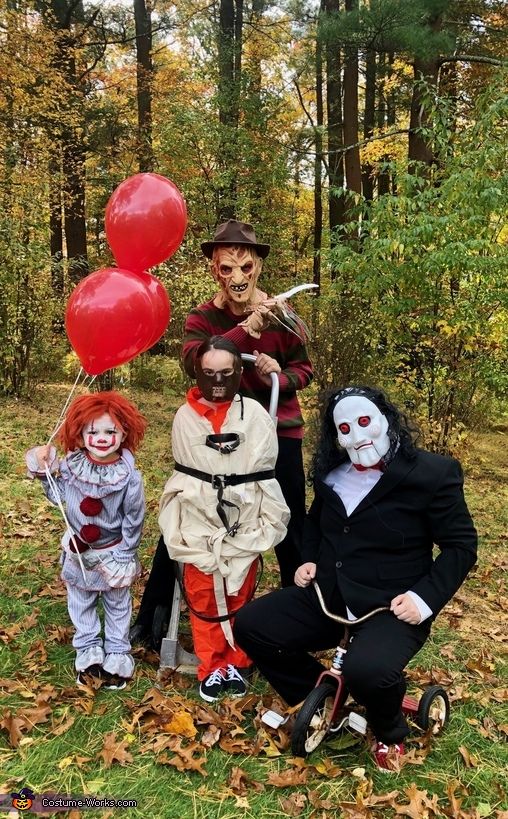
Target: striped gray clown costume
{"x":105,"y":507}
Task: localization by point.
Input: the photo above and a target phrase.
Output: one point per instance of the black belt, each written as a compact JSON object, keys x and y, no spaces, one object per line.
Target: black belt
{"x":219,"y":482}
{"x":223,"y":442}
{"x":226,"y":480}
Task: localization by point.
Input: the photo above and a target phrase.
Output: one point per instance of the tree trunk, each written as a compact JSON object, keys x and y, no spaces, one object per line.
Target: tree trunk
{"x":254,"y":116}
{"x":64,"y":12}
{"x":420,"y":155}
{"x":391,"y":120}
{"x":334,"y":132}
{"x":74,"y":206}
{"x":351,"y":130}
{"x":368,"y":119}
{"x":230,"y":65}
{"x":383,"y":182}
{"x":318,"y":184}
{"x":144,"y":74}
{"x":419,"y":149}
{"x":56,"y":233}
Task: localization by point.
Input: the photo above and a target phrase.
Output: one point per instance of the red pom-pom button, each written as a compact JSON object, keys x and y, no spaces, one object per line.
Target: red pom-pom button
{"x":91,"y":506}
{"x":90,"y":533}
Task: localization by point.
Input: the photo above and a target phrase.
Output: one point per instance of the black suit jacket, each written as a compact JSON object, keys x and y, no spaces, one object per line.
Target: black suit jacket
{"x":385,"y":547}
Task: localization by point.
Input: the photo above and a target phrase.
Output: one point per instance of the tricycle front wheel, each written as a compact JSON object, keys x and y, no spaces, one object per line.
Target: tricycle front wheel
{"x":314,"y":720}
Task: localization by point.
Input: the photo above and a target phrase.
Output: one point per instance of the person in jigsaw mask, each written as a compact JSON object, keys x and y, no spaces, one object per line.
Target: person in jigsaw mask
{"x":105,"y":507}
{"x":239,"y":312}
{"x":380,"y":505}
{"x":220,"y":509}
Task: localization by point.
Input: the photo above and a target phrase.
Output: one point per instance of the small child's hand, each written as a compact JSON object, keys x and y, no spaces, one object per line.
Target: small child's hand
{"x":39,"y":457}
{"x":45,"y":455}
{"x":405,"y":608}
{"x":305,"y":574}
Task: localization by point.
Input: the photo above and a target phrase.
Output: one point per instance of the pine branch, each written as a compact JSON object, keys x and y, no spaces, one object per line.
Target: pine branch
{"x":472,"y":58}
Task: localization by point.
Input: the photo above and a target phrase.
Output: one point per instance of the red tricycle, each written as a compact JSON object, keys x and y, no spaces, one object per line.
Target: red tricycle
{"x":324,"y":711}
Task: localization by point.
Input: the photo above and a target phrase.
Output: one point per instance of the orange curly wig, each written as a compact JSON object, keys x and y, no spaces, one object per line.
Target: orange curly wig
{"x":87,"y":407}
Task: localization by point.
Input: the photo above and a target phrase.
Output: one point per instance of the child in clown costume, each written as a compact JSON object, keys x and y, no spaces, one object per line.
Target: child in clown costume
{"x":220,"y":509}
{"x":105,"y":507}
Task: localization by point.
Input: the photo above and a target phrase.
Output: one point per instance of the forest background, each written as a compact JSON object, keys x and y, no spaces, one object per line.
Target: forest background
{"x":366,"y":141}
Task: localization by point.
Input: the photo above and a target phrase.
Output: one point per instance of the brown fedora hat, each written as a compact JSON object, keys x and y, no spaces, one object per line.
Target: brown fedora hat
{"x":235,"y":233}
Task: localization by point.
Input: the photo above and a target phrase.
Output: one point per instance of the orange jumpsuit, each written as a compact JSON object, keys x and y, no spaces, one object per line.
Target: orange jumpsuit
{"x":219,"y":567}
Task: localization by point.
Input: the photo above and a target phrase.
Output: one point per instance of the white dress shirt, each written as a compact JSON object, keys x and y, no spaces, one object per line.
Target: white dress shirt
{"x":352,"y":486}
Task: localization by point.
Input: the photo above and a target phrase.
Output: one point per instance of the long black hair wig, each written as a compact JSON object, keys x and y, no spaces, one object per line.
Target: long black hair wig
{"x":401,"y":432}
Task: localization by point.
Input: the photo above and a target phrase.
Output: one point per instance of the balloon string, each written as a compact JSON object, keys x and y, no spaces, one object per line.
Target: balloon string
{"x":54,"y":488}
{"x":51,"y":481}
{"x":61,"y":417}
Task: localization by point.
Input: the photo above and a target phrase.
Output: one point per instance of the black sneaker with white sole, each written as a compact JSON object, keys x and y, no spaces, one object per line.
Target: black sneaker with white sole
{"x":113,"y":682}
{"x":94,"y":674}
{"x":235,"y":685}
{"x":214,"y":685}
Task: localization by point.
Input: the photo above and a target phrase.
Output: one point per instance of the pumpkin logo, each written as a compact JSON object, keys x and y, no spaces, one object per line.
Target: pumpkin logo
{"x":22,"y":800}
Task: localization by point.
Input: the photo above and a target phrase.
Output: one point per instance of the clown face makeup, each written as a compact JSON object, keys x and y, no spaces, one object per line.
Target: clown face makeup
{"x":217,"y":377}
{"x":361,"y":429}
{"x":103,"y":438}
{"x":237,"y":270}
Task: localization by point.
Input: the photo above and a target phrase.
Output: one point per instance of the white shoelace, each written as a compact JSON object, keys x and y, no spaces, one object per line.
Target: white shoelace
{"x":234,"y":674}
{"x":215,"y":677}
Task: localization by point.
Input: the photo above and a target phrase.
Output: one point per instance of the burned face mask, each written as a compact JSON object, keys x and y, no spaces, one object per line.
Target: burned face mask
{"x":218,"y":385}
{"x":236,"y":270}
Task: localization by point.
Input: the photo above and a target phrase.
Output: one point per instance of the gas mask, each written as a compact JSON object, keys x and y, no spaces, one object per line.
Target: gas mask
{"x":361,"y":430}
{"x":218,"y":385}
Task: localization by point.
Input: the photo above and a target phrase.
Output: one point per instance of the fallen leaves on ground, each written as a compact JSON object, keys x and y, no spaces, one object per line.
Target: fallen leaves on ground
{"x":170,"y":727}
{"x":186,"y":758}
{"x":23,"y":721}
{"x":9,"y":633}
{"x":420,"y":805}
{"x":114,"y":750}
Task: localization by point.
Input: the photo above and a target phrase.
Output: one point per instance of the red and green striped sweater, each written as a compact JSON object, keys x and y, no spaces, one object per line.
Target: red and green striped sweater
{"x":209,"y":320}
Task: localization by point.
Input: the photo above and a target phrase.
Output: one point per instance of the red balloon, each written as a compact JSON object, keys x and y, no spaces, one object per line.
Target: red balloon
{"x":161,"y":306}
{"x":145,"y":221}
{"x":109,"y":319}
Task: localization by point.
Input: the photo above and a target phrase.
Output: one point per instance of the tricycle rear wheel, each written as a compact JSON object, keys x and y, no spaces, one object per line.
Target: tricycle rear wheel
{"x":433,"y":709}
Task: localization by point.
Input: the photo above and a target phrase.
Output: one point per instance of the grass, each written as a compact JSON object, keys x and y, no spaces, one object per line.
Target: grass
{"x":55,"y":738}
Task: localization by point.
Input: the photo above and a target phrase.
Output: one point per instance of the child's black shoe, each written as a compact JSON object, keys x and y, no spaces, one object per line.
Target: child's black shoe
{"x":113,"y":682}
{"x":92,"y":675}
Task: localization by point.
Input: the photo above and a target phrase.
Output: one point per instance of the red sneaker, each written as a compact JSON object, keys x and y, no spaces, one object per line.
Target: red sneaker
{"x":388,"y":757}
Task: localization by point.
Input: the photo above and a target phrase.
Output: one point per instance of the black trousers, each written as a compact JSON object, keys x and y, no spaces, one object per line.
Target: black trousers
{"x":280,"y":629}
{"x":290,"y":474}
{"x":291,"y":477}
{"x":159,"y":587}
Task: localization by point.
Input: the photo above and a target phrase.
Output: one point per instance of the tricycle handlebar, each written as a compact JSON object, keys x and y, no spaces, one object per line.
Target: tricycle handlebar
{"x":344,"y":620}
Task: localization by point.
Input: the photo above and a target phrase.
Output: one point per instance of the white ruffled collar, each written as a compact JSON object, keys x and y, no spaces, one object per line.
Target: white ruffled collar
{"x":77,"y":467}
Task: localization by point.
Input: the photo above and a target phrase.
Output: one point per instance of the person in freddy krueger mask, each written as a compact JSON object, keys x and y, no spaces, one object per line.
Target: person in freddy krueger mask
{"x":242,"y":313}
